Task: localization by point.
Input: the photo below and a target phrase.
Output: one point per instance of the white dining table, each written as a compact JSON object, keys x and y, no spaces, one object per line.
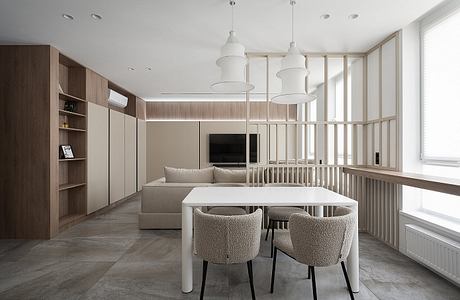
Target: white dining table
{"x":261,"y":196}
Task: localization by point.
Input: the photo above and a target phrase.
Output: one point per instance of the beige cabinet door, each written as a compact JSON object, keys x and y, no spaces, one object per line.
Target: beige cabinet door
{"x":117,"y":156}
{"x":98,"y":157}
{"x":141,"y":154}
{"x":130,"y":156}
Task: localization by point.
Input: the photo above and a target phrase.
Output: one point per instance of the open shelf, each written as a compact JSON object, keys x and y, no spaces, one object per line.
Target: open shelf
{"x":69,"y":113}
{"x":68,"y":97}
{"x":68,"y":186}
{"x":72,"y":129}
{"x":67,"y":219}
{"x":72,"y":159}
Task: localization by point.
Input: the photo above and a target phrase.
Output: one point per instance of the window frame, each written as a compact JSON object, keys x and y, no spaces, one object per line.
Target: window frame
{"x":426,"y":24}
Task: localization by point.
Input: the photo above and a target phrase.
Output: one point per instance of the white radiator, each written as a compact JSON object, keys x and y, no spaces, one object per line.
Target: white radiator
{"x":434,"y":250}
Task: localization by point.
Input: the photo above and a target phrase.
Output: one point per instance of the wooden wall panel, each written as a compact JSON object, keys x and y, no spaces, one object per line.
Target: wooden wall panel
{"x":141,"y":108}
{"x":130,"y":155}
{"x":216,"y":111}
{"x":98,"y":157}
{"x":117,"y":156}
{"x":97,"y":88}
{"x":25,"y":118}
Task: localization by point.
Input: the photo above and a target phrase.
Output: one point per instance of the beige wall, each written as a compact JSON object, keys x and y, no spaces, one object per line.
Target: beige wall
{"x":186,"y":144}
{"x":173,"y":144}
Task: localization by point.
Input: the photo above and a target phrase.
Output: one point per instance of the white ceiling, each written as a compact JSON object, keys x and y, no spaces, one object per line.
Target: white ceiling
{"x":180,"y":40}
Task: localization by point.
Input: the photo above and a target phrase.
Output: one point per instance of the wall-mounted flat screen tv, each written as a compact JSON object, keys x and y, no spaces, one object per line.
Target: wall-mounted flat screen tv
{"x":231,"y":148}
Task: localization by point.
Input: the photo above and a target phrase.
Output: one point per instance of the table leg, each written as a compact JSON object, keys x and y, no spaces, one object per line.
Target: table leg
{"x":353,"y":259}
{"x":319,"y":211}
{"x":187,"y":249}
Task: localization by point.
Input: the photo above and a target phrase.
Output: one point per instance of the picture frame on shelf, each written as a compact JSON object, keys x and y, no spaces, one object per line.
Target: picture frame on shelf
{"x":66,"y":152}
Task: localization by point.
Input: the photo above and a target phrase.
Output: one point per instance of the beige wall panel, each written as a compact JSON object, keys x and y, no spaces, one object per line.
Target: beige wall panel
{"x":141,"y":154}
{"x":98,"y":157}
{"x":117,"y":156}
{"x":373,"y":84}
{"x":130,"y":155}
{"x":389,"y":78}
{"x":174,"y":144}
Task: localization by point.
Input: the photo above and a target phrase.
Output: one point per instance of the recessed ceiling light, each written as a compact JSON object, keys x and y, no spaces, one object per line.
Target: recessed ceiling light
{"x":353,"y":16}
{"x":131,"y":68}
{"x":325,"y":16}
{"x":67,"y":17}
{"x":148,"y":68}
{"x":96,"y":17}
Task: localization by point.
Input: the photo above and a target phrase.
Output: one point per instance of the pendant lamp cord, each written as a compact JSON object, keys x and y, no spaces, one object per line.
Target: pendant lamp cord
{"x":292,"y":20}
{"x":232,"y":4}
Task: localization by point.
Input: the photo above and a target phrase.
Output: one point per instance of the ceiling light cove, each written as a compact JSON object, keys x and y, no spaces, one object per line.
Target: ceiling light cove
{"x":96,"y":17}
{"x":67,"y":17}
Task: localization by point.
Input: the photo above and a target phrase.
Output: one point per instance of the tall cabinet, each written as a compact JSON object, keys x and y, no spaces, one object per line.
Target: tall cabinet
{"x":48,"y":101}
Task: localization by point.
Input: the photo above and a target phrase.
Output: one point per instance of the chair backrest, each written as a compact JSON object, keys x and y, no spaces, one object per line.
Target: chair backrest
{"x":227,"y":239}
{"x":321,"y":241}
{"x":283,"y":184}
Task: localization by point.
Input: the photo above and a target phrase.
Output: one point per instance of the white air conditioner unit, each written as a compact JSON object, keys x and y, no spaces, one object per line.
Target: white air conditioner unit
{"x":117,"y":99}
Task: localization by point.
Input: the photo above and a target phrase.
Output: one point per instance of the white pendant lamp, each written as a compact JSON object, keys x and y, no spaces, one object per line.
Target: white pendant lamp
{"x":292,"y":75}
{"x":233,"y":66}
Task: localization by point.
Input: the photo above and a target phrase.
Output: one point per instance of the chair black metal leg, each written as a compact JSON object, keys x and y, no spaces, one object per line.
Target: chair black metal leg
{"x":345,"y":274}
{"x":268,"y":229}
{"x":308,"y":277}
{"x":273,"y":271}
{"x":313,"y":281}
{"x":273,"y":237}
{"x":203,"y":280}
{"x":251,"y":279}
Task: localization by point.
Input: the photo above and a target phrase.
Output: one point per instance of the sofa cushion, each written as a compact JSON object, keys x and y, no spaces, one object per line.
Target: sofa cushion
{"x":177,"y":175}
{"x":229,"y":176}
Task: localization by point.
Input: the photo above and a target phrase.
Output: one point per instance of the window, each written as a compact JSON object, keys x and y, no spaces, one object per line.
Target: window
{"x":440,"y":147}
{"x":441,"y":90}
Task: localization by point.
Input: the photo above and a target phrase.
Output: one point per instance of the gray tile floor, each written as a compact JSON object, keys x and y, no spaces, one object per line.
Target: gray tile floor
{"x":107,"y":257}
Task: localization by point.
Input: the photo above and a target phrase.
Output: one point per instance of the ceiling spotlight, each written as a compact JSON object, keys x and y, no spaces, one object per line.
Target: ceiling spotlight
{"x":67,"y":17}
{"x":325,"y":16}
{"x":131,"y":68}
{"x":148,"y":68}
{"x":353,"y":16}
{"x":96,"y":17}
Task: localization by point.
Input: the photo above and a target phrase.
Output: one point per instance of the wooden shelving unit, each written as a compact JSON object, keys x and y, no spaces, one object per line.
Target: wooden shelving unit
{"x":72,"y":172}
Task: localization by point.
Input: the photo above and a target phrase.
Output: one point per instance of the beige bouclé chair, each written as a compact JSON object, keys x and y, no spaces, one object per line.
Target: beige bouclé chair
{"x":280,"y":214}
{"x":318,"y":242}
{"x":227,"y":240}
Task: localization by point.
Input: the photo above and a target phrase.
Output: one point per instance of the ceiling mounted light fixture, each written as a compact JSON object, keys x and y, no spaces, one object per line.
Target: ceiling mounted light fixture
{"x":292,"y":74}
{"x":232,"y":63}
{"x":325,"y":16}
{"x":67,"y":17}
{"x":353,"y":16}
{"x":96,"y":17}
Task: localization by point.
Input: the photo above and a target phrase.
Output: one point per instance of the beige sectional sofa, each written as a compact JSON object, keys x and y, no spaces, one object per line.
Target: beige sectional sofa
{"x":161,"y":203}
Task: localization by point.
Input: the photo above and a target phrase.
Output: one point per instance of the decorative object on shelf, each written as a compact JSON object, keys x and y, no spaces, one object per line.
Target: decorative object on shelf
{"x":60,"y":88}
{"x":70,"y":106}
{"x":292,"y":74}
{"x":65,"y":125}
{"x":65,"y":152}
{"x":233,"y":63}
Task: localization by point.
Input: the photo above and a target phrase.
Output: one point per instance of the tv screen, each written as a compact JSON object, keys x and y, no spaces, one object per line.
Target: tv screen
{"x":231,"y":148}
